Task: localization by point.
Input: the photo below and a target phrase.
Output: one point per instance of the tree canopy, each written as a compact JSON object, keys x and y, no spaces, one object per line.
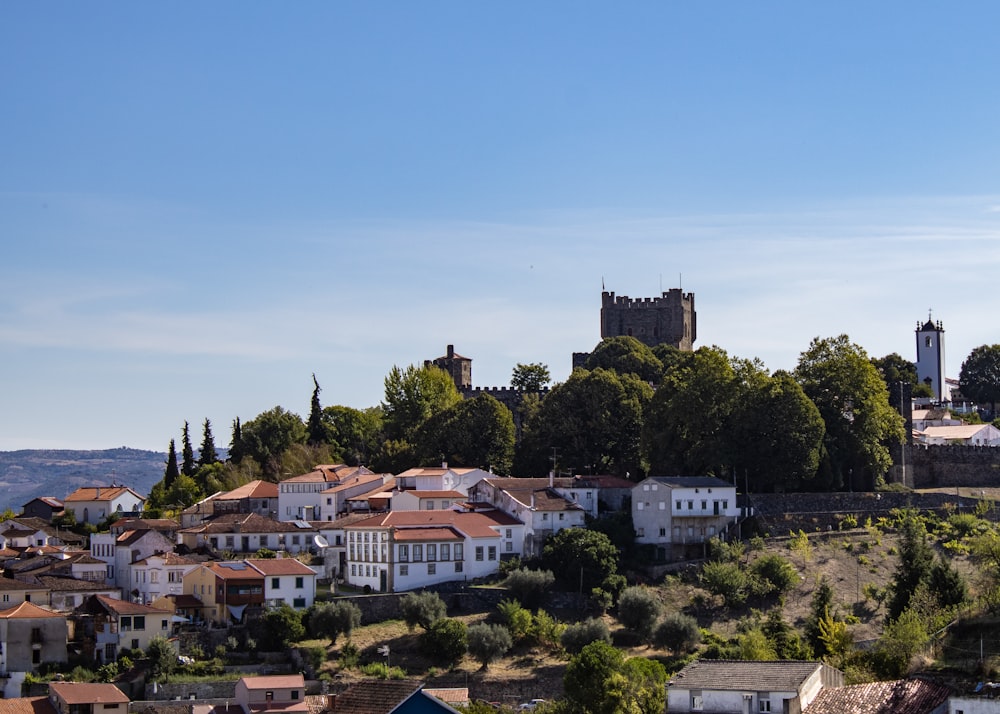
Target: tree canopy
{"x":475,"y":432}
{"x":626,"y":355}
{"x":979,"y":378}
{"x":530,"y":377}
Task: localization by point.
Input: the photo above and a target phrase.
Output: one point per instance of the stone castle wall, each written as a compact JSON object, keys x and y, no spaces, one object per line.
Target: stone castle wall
{"x":669,"y":319}
{"x":945,"y":466}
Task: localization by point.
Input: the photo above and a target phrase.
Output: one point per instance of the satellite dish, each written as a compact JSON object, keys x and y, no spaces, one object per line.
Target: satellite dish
{"x":320,"y":542}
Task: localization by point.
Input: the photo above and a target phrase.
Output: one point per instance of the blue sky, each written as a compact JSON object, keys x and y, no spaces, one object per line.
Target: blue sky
{"x":202,"y":204}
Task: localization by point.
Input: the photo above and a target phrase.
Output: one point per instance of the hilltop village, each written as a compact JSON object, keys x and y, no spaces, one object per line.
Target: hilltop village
{"x":796,"y":555}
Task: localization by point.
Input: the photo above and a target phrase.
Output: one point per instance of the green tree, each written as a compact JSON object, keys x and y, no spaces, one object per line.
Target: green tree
{"x":413,"y":395}
{"x":529,"y":587}
{"x":586,"y":676}
{"x":162,"y":658}
{"x":187,"y":452}
{"x":819,"y":608}
{"x":207,"y":454}
{"x":488,"y":643}
{"x":678,"y":633}
{"x":626,"y":355}
{"x":685,"y":423}
{"x":638,"y":608}
{"x":916,"y":559}
{"x":475,"y":432}
{"x":593,"y":420}
{"x":840,"y":379}
{"x":727,"y":580}
{"x":639,"y":688}
{"x":446,"y":640}
{"x":901,"y":639}
{"x":578,"y":635}
{"x":580,"y":558}
{"x":266,"y":437}
{"x":236,"y":449}
{"x":358,"y":432}
{"x":784,"y":638}
{"x":530,"y":377}
{"x":754,"y":645}
{"x":515,"y":618}
{"x":332,"y":619}
{"x":775,"y":575}
{"x":423,"y":609}
{"x":172,"y":472}
{"x":316,"y":432}
{"x":279,"y":627}
{"x":979,"y":378}
{"x":894,"y":368}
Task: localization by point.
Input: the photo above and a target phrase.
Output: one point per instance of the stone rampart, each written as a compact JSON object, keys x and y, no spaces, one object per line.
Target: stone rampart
{"x":937,"y":466}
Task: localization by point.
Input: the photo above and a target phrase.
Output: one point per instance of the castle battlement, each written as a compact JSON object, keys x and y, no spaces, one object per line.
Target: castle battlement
{"x":670,"y":297}
{"x":667,"y":319}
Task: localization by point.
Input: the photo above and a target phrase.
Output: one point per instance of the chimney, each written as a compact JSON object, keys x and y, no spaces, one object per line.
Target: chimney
{"x":444,"y":464}
{"x":98,"y":493}
{"x":552,"y":479}
{"x":451,"y":351}
{"x":532,"y":500}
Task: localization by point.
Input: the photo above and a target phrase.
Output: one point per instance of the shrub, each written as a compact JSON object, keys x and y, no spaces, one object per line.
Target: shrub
{"x":546,"y":629}
{"x":678,"y":633}
{"x":529,"y":587}
{"x":774,"y":574}
{"x":578,"y":636}
{"x":349,"y":655}
{"x":726,"y":579}
{"x":488,"y":643}
{"x":422,"y":609}
{"x":332,"y":619}
{"x":515,"y":618}
{"x":315,"y":656}
{"x":638,"y":609}
{"x":280,"y":626}
{"x":446,"y":640}
{"x":380,"y":670}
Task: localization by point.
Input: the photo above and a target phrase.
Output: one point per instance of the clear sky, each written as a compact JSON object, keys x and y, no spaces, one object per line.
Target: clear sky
{"x":202,"y":204}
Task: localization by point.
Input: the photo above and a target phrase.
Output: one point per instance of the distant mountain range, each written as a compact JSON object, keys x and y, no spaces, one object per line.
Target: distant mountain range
{"x":27,"y":474}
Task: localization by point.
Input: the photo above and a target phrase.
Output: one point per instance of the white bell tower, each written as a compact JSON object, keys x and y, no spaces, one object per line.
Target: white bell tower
{"x":930,"y":358}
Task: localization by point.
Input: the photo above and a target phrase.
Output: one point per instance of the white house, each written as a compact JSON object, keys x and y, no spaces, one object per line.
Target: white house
{"x":286,"y":580}
{"x":544,"y":505}
{"x":443,"y":478}
{"x":965,"y":435}
{"x":299,"y":497}
{"x":333,"y":500}
{"x":283,"y":692}
{"x":248,"y":533}
{"x":404,"y":550}
{"x":158,"y":575}
{"x":749,"y":687}
{"x":680,"y":514}
{"x":119,"y":552}
{"x":426,"y":500}
{"x":95,"y":504}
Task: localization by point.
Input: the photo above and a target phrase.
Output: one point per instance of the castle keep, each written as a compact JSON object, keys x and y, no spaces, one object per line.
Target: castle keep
{"x":669,"y":319}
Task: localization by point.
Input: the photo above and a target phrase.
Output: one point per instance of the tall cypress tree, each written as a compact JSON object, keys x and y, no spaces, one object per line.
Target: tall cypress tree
{"x":236,"y":444}
{"x":317,"y":433}
{"x":187,"y":453}
{"x":208,"y":454}
{"x":171,"y":473}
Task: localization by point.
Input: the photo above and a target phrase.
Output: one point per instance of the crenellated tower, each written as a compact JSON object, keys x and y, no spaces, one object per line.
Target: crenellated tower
{"x":668,"y":319}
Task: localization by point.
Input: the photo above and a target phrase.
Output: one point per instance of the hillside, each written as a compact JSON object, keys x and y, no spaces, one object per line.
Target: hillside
{"x":27,"y":474}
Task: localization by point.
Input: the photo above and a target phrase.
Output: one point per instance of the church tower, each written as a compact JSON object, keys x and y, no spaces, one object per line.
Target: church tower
{"x":930,"y":358}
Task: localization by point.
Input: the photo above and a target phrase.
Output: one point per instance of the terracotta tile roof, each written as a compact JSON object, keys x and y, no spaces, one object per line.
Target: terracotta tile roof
{"x":358,"y":480}
{"x":234,"y":570}
{"x":149,"y":524}
{"x":904,"y":696}
{"x":124,"y":607}
{"x":64,"y":584}
{"x":328,"y":473}
{"x":475,"y":525}
{"x":27,"y":611}
{"x":11,"y":584}
{"x":435,"y":494}
{"x":130,"y":537}
{"x":243,"y":523}
{"x":186,"y":601}
{"x":168,"y":559}
{"x":347,"y":520}
{"x":275,"y":681}
{"x":729,"y":675}
{"x":280,"y":566}
{"x":405,"y":535}
{"x":254,"y":489}
{"x":693,"y":481}
{"x":88,"y":693}
{"x":27,"y":705}
{"x":601,"y":482}
{"x":101,"y":493}
{"x":380,"y":696}
{"x":452,"y":695}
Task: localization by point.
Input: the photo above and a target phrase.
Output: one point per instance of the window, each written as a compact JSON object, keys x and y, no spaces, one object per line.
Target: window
{"x":354,"y":570}
{"x":638,"y":506}
{"x":704,"y":505}
{"x":459,"y":551}
{"x":139,"y":623}
{"x":492,"y":552}
{"x":663,"y":505}
{"x":296,"y":539}
{"x":299,"y":602}
{"x":163,"y":624}
{"x":300,"y":582}
{"x":697,"y":703}
{"x":763,"y":702}
{"x":725,"y":505}
{"x":174,"y":576}
{"x":135,"y":644}
{"x":545,"y":516}
{"x":928,"y":342}
{"x":230,"y":541}
{"x":275,"y":583}
{"x":641,"y":532}
{"x":368,"y":571}
{"x":507,"y":533}
{"x":458,"y":566}
{"x":429,"y":505}
{"x":432,"y":568}
{"x":561,"y":516}
{"x":479,"y":552}
{"x":510,"y":547}
{"x":445,"y":551}
{"x":125,"y":622}
{"x":404,"y":569}
{"x":663,"y":532}
{"x":690,"y":505}
{"x":36,"y":656}
{"x":677,"y":505}
{"x":404,"y":554}
{"x":431,"y":551}
{"x":418,"y":553}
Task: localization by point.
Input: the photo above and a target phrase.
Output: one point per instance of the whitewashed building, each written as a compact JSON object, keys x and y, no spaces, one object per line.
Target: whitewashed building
{"x":680,"y":514}
{"x":299,"y":497}
{"x":405,"y":550}
{"x":286,"y":581}
{"x":95,"y":504}
{"x":158,"y":575}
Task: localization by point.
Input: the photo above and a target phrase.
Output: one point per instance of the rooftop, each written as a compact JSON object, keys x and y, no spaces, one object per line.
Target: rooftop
{"x":88,"y":693}
{"x":729,"y":675}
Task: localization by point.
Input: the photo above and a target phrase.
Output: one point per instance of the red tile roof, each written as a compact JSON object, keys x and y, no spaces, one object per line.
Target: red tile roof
{"x":101,"y":493}
{"x":405,"y":535}
{"x":328,"y":473}
{"x":905,"y":696}
{"x":380,"y":696}
{"x":234,"y":570}
{"x":254,"y":489}
{"x":27,"y":705}
{"x":276,"y":681}
{"x":88,"y":693}
{"x":475,"y":525}
{"x":124,"y":607}
{"x":280,"y":566}
{"x":27,"y":611}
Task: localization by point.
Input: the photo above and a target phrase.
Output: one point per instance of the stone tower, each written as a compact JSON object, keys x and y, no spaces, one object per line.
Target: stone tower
{"x":930,"y":358}
{"x":459,"y":367}
{"x":669,"y":319}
